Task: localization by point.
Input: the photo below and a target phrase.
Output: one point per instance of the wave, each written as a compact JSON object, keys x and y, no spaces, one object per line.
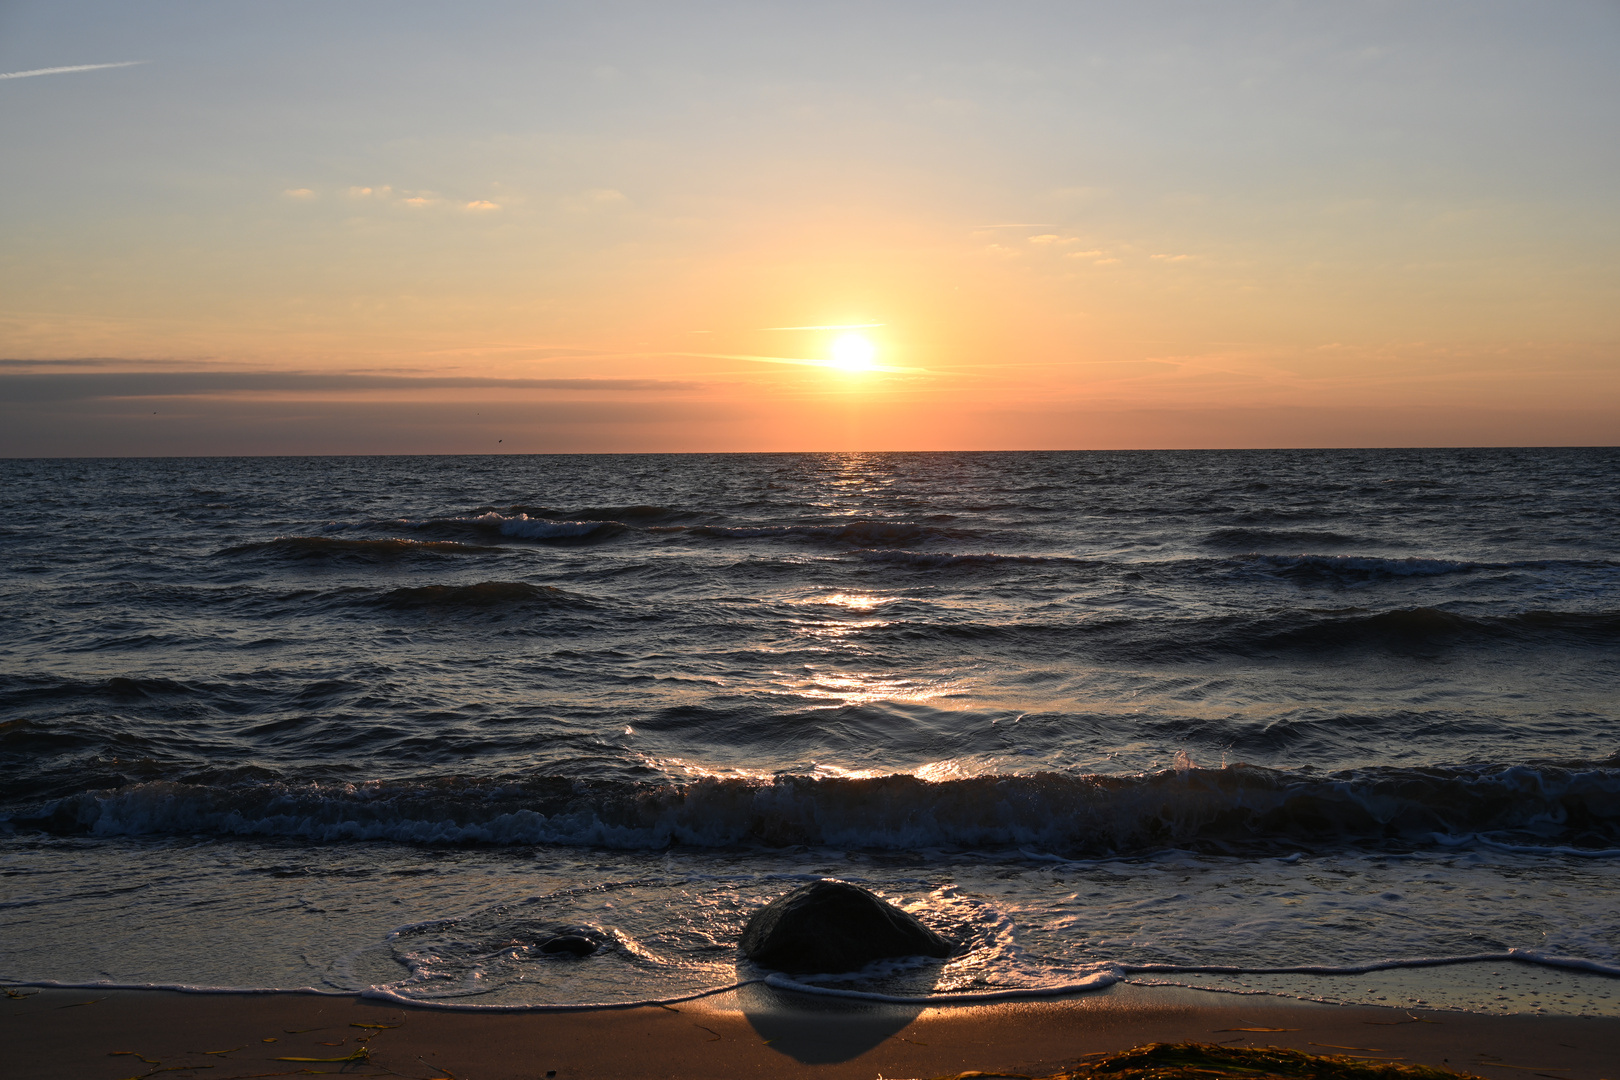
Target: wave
{"x":387,"y":993}
{"x":1354,"y":568}
{"x":484,"y":594}
{"x":1109,"y":973}
{"x":933,"y":560}
{"x":1346,"y":571}
{"x":1237,"y":809}
{"x":1419,"y":629}
{"x":21,"y":689}
{"x":1104,"y":975}
{"x":1172,"y":639}
{"x":1256,"y":539}
{"x":332,"y":547}
{"x":595,"y":525}
{"x":639,"y":514}
{"x":514,"y":526}
{"x":860,"y":534}
{"x":1362,"y":569}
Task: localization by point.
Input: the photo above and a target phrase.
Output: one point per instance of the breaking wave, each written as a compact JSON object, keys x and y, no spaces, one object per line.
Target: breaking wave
{"x":639,"y":514}
{"x":514,"y":526}
{"x":1573,"y":808}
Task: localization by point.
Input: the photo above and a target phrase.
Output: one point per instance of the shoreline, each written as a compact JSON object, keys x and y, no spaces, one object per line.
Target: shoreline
{"x":76,"y":1034}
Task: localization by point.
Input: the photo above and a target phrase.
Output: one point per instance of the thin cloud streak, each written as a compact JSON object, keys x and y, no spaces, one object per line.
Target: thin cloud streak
{"x":830,"y":326}
{"x":82,"y":386}
{"x":802,"y":362}
{"x":66,"y":70}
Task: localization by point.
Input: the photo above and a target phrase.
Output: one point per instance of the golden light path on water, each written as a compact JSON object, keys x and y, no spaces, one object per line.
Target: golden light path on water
{"x":856,"y":687}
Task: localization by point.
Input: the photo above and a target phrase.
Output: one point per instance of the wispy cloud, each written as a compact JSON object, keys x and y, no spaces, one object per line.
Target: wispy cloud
{"x":802,"y":362}
{"x":66,"y":70}
{"x":830,"y":326}
{"x":81,"y":386}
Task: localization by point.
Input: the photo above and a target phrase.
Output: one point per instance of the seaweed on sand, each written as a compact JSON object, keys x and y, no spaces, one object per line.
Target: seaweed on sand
{"x":1204,"y":1061}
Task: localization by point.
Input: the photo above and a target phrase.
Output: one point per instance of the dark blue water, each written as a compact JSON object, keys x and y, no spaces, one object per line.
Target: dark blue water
{"x":491,"y":695}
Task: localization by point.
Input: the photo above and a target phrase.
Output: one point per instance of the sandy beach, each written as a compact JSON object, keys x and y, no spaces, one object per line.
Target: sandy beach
{"x":110,"y":1035}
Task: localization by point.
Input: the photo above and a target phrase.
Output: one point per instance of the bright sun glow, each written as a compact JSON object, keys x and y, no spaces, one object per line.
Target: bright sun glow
{"x":852,"y":352}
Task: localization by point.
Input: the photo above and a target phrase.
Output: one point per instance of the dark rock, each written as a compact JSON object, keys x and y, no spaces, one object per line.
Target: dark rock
{"x":829,"y":926}
{"x":569,"y":945}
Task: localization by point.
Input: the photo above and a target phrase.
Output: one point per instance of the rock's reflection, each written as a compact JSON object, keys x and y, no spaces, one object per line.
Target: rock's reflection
{"x":817,"y":1030}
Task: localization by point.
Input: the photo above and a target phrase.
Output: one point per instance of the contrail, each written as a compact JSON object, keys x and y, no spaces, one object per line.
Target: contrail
{"x":65,"y":70}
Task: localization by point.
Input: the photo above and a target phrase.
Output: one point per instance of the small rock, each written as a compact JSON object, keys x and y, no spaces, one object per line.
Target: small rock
{"x":568,"y":944}
{"x":830,"y":926}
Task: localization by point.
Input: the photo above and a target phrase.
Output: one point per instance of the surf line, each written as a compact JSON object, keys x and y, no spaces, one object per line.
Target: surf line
{"x":1517,"y":956}
{"x":1107,"y":975}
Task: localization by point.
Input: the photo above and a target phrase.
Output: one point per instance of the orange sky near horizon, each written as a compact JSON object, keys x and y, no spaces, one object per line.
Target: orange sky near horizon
{"x":1061,"y":227}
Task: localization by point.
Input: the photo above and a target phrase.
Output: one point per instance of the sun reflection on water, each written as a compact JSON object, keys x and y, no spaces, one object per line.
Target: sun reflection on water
{"x":856,"y":601}
{"x":866,"y":687}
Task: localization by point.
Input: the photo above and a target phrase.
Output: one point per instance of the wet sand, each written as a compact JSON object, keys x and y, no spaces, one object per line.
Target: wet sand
{"x":753,"y":1032}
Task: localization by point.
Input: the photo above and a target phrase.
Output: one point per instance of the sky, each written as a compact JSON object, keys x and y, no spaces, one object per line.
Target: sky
{"x":488,"y":227}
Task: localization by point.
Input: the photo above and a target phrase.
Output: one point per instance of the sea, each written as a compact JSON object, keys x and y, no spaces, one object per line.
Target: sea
{"x":1340,"y":725}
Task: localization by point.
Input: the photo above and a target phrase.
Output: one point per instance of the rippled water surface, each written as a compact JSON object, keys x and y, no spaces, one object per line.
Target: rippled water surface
{"x":391,"y":722}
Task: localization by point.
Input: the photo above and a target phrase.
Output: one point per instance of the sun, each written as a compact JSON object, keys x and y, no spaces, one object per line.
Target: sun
{"x":852,"y":352}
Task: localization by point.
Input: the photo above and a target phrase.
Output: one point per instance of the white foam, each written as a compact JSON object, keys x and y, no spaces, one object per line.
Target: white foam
{"x":176,"y":987}
{"x":521,"y":526}
{"x":932,"y":559}
{"x":418,"y":927}
{"x":1025,"y":929}
{"x":1059,"y":813}
{"x":525,"y":527}
{"x":381,"y":993}
{"x":1099,"y":981}
{"x":1471,"y":839}
{"x":1105,"y":976}
{"x":1522,"y":956}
